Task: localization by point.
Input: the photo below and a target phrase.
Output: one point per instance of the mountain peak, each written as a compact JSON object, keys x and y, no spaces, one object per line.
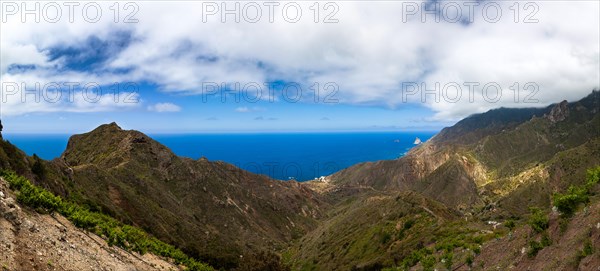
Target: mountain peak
{"x":559,"y":112}
{"x":110,"y":126}
{"x":109,"y":145}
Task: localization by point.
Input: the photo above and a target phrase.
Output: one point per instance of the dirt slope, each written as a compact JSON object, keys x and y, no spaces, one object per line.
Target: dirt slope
{"x":31,"y":241}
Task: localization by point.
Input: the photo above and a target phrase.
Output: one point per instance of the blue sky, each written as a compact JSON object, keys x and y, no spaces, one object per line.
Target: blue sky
{"x":163,"y":63}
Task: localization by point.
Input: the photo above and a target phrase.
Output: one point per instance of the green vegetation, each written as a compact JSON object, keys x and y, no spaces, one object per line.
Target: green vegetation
{"x":535,"y":246}
{"x":416,"y":257}
{"x":455,"y":235}
{"x":587,"y":250}
{"x":38,"y":167}
{"x":568,"y":202}
{"x":538,"y":220}
{"x":447,"y":259}
{"x":593,"y":176}
{"x":469,"y":260}
{"x":115,"y":232}
{"x":405,"y":227}
{"x":428,"y":262}
{"x":510,"y":224}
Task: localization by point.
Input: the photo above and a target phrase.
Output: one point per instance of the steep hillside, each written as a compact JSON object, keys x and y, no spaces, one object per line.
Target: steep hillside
{"x":498,"y":153}
{"x":488,"y":170}
{"x":213,"y":210}
{"x":565,"y":238}
{"x":33,"y":241}
{"x":367,"y":233}
{"x":476,"y":127}
{"x":573,"y":245}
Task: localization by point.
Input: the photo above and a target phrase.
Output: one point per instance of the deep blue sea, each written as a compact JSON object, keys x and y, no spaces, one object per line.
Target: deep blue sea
{"x":300,"y":156}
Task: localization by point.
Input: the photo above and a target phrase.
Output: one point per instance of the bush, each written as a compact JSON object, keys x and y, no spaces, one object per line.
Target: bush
{"x":469,"y":260}
{"x":385,"y":237}
{"x":593,"y":176}
{"x":448,"y":260}
{"x":538,"y":220}
{"x":408,"y":224}
{"x":588,"y":249}
{"x":546,"y":240}
{"x":38,"y":167}
{"x":510,"y":224}
{"x":415,"y":257}
{"x":567,"y":203}
{"x":535,"y":247}
{"x":428,"y":262}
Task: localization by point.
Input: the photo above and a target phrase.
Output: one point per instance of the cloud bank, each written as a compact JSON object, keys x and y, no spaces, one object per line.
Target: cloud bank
{"x":373,"y":52}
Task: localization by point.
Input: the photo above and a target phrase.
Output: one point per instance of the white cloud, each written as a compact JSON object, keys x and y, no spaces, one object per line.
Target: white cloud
{"x":242,"y":109}
{"x":368,"y":54}
{"x":245,"y":109}
{"x":164,"y":107}
{"x":56,"y":101}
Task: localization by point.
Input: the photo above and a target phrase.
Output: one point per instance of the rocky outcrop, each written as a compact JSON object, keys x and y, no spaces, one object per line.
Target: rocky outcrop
{"x":559,"y":112}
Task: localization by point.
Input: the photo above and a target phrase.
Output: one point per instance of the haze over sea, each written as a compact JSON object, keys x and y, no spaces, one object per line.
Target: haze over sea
{"x":284,"y":156}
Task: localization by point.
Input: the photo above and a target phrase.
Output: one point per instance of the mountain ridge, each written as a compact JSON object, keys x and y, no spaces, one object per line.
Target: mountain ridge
{"x":129,"y":174}
{"x":444,"y":198}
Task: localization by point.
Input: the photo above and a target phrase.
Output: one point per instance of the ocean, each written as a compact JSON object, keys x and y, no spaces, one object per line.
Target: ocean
{"x":283,"y":156}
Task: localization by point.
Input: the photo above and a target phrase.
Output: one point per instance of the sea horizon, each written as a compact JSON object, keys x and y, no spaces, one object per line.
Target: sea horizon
{"x":300,"y":156}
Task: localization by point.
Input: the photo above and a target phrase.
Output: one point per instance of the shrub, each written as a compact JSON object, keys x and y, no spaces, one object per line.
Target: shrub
{"x":546,"y":240}
{"x":538,"y":220}
{"x":38,"y":167}
{"x":593,"y":176}
{"x":567,"y":203}
{"x":448,"y":260}
{"x":415,"y":257}
{"x":510,"y":224}
{"x":588,"y":249}
{"x":428,"y":262}
{"x":535,"y":247}
{"x":385,"y":237}
{"x":469,"y":261}
{"x":408,"y":224}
